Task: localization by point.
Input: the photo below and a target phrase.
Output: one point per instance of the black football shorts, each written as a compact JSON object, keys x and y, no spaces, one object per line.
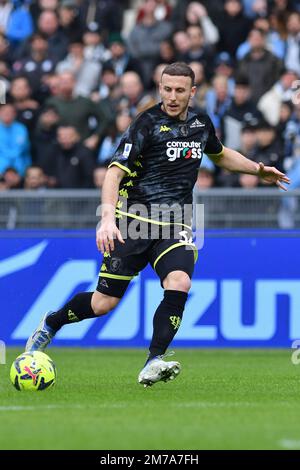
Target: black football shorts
{"x":174,"y":252}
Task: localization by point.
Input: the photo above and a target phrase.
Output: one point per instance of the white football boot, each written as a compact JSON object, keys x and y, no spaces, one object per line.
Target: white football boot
{"x":157,"y":370}
{"x":41,"y":337}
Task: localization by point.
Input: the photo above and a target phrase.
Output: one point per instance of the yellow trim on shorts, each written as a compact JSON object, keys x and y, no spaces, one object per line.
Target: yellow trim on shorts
{"x":124,"y":168}
{"x":116,"y":276}
{"x":177,"y":245}
{"x":216,"y":155}
{"x":156,"y":222}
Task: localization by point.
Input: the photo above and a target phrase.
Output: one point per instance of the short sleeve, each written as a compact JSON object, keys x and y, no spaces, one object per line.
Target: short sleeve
{"x":213,"y":147}
{"x":132,"y":145}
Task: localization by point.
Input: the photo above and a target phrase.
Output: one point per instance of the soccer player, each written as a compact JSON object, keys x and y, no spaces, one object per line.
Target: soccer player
{"x":153,"y":171}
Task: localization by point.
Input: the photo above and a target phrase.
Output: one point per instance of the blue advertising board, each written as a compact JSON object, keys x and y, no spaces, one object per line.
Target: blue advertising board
{"x":245,"y":292}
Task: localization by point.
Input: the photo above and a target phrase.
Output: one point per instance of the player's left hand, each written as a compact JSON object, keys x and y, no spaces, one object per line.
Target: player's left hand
{"x":270,"y":174}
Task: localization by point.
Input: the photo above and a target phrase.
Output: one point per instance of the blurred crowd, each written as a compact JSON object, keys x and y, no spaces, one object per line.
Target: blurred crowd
{"x":77,"y":72}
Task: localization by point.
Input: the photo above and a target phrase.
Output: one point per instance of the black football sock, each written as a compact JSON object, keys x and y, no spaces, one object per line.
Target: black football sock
{"x":166,"y":321}
{"x":77,"y":309}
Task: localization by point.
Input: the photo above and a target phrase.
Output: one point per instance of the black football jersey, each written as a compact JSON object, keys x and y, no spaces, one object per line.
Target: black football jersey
{"x":161,"y":156}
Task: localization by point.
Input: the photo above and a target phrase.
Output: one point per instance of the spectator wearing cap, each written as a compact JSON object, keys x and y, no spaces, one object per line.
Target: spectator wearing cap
{"x":240,"y":108}
{"x":85,"y":71}
{"x":145,"y":38}
{"x":233,"y":26}
{"x":14,"y":141}
{"x":198,"y":51}
{"x":36,"y":64}
{"x":69,"y":22}
{"x":270,"y":103}
{"x":121,"y":60}
{"x":196,"y":14}
{"x":260,"y":66}
{"x":94,"y":49}
{"x":79,"y":112}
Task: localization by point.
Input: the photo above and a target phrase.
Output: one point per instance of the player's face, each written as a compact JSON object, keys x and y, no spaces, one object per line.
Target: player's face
{"x":176,"y":92}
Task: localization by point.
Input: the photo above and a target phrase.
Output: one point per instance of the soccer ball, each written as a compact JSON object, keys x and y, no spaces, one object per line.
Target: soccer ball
{"x":33,"y":371}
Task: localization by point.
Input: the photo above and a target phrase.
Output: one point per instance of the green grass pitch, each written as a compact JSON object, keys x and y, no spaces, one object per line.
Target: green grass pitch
{"x":223,"y":399}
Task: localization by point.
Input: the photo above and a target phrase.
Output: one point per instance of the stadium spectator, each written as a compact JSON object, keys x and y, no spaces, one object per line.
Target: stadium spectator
{"x":121,"y":60}
{"x":292,"y":56}
{"x":94,"y":48}
{"x":233,"y":26}
{"x":36,"y":64}
{"x":167,"y":52}
{"x":270,"y":103}
{"x":35,"y":178}
{"x":182,"y":44}
{"x":145,"y":38}
{"x":44,"y":143}
{"x":196,"y":14}
{"x":69,"y":22}
{"x":77,"y":111}
{"x":19,"y":25}
{"x":261,"y":67}
{"x":198,"y":51}
{"x":240,"y":108}
{"x":201,"y":83}
{"x":85,"y":71}
{"x":11,"y":179}
{"x":27,"y":108}
{"x":14,"y":141}
{"x":224,"y":65}
{"x":106,"y":14}
{"x":218,"y":101}
{"x":111,"y":141}
{"x":133,"y":98}
{"x":274,"y":40}
{"x":4,"y":49}
{"x":162,"y":11}
{"x":99,"y":175}
{"x":5,"y":11}
{"x":269,"y":149}
{"x":214,"y":9}
{"x":74,"y":162}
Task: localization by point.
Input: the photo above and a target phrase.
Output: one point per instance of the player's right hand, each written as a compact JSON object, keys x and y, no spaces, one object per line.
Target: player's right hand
{"x":105,"y":236}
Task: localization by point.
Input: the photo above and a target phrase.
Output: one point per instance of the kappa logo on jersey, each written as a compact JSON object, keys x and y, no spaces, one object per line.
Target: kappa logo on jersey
{"x":183,"y":149}
{"x":197,"y":123}
{"x":126,"y":151}
{"x":164,"y":129}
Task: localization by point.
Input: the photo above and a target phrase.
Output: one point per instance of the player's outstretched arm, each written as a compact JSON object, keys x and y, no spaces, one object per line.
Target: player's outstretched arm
{"x":108,"y":230}
{"x":235,"y":161}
